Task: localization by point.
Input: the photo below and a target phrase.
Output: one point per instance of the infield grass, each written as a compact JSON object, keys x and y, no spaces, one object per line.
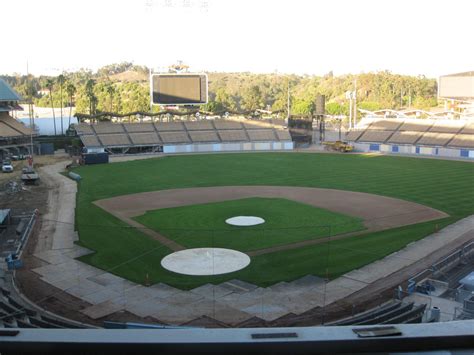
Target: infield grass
{"x":441,"y":184}
{"x":286,"y":221}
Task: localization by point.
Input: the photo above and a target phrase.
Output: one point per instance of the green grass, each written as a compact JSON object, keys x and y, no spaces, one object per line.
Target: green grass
{"x":204,"y":225}
{"x":441,"y":184}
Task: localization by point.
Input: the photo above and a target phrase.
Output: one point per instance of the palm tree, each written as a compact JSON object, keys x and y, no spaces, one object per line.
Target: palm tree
{"x":71,"y":90}
{"x":61,"y":79}
{"x":90,"y":95}
{"x":49,"y":83}
{"x":111,"y":91}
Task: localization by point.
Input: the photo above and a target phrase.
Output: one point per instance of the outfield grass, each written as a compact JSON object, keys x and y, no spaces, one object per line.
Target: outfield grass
{"x":444,"y":185}
{"x":204,"y":225}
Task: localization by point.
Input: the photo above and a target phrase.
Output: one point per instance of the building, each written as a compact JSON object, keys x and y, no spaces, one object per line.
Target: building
{"x":15,"y":138}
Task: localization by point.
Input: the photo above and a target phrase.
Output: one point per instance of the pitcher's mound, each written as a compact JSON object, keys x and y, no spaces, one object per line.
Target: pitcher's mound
{"x":205,"y":261}
{"x":244,"y":221}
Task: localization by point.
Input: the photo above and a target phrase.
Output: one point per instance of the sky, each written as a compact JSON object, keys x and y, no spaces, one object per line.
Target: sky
{"x":413,"y":37}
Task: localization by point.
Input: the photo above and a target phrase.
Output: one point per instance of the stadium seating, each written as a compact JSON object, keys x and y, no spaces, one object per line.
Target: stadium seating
{"x":395,"y":312}
{"x":353,"y":135}
{"x":261,"y":135}
{"x":15,"y":315}
{"x":416,"y":125}
{"x":145,"y":138}
{"x":102,"y":128}
{"x":198,"y":125}
{"x":227,"y":124}
{"x":422,"y":132}
{"x":468,"y":128}
{"x":386,"y":125}
{"x":443,"y":126}
{"x":257,"y":125}
{"x":84,"y":128}
{"x":233,"y":135}
{"x":90,"y":141}
{"x":7,"y":131}
{"x":174,"y":137}
{"x":114,"y":139}
{"x":405,"y":137}
{"x":462,"y":141}
{"x":169,"y":126}
{"x":437,"y":139}
{"x":16,"y":125}
{"x":283,"y":135}
{"x":110,"y":135}
{"x":204,"y":136}
{"x":139,"y":127}
{"x":375,"y":136}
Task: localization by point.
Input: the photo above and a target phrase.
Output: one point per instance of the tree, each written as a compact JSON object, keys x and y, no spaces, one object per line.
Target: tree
{"x":90,"y":95}
{"x":252,"y":98}
{"x":61,"y":79}
{"x":49,"y":84}
{"x":71,"y":90}
{"x":110,"y":90}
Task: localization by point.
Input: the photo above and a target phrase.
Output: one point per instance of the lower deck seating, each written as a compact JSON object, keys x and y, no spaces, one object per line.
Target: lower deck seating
{"x":283,"y":135}
{"x":432,"y":138}
{"x":169,"y":126}
{"x":233,"y":135}
{"x":114,"y":139}
{"x":204,"y":136}
{"x":405,"y":137}
{"x":108,"y":128}
{"x":462,"y":141}
{"x":174,"y":137}
{"x":90,"y":141}
{"x":261,"y":135}
{"x":375,"y":136}
{"x":146,"y":138}
{"x":139,"y":127}
{"x":151,"y":134}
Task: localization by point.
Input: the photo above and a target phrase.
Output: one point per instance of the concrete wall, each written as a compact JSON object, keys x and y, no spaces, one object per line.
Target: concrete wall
{"x":415,"y":150}
{"x":227,"y":147}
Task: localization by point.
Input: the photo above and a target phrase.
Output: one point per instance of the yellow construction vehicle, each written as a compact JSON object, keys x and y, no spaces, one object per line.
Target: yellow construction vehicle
{"x":338,"y":146}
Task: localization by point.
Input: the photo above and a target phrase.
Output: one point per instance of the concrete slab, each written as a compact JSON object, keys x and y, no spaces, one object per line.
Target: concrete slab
{"x":100,"y":296}
{"x":184,"y":298}
{"x":101,"y":310}
{"x":308,"y":281}
{"x":170,"y":314}
{"x":266,"y":311}
{"x":221,"y":312}
{"x":147,"y":307}
{"x":84,"y":287}
{"x":239,"y":286}
{"x":164,"y":291}
{"x":211,"y":291}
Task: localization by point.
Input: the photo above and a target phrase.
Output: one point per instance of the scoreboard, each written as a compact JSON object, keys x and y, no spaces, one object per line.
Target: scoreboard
{"x":179,"y":89}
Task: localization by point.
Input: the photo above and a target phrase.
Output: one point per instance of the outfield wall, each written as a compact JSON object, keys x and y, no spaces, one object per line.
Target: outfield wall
{"x":227,"y":147}
{"x":415,"y":150}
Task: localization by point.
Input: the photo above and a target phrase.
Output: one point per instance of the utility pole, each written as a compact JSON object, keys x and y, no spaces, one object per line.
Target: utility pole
{"x":355,"y":102}
{"x":288,"y":101}
{"x":350,"y":111}
{"x":30,"y":110}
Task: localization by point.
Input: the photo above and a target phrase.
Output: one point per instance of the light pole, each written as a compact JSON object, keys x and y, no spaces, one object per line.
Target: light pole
{"x":288,"y":100}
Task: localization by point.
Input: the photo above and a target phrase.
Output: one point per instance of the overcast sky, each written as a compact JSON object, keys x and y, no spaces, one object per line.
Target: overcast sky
{"x":289,"y":36}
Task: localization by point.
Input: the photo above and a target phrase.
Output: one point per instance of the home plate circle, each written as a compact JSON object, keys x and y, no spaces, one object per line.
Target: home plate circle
{"x":244,"y":221}
{"x":205,"y":261}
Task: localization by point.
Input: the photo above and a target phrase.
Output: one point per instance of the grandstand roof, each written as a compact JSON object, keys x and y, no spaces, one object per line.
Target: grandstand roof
{"x":7,"y":93}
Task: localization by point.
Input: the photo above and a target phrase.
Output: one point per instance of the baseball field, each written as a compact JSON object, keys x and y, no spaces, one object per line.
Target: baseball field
{"x":325,"y":214}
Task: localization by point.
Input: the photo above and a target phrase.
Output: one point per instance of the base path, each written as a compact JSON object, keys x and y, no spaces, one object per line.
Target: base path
{"x":378,"y":212}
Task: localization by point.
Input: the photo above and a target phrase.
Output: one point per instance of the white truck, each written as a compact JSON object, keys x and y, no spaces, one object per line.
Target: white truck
{"x":7,"y":166}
